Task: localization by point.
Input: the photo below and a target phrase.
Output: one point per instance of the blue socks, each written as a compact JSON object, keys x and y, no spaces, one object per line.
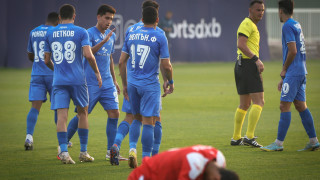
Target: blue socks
{"x":123,"y":130}
{"x":62,"y":139}
{"x":111,"y":131}
{"x":284,"y":123}
{"x":307,"y":122}
{"x":83,"y":136}
{"x":147,"y":140}
{"x":157,"y":138}
{"x":134,"y":133}
{"x":32,"y":120}
{"x":72,"y":127}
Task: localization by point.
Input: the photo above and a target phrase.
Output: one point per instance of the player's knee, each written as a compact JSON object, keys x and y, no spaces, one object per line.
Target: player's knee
{"x":245,"y":106}
{"x":129,"y":118}
{"x":114,"y":113}
{"x":300,"y":106}
{"x":138,"y":117}
{"x":284,"y":108}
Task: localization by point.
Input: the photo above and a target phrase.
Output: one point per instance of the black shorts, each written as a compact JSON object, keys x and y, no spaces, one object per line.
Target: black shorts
{"x":248,"y":79}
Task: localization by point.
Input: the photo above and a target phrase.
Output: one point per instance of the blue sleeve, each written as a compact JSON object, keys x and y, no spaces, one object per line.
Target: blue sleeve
{"x":46,"y":44}
{"x":91,"y":39}
{"x":288,"y":33}
{"x":30,"y":47}
{"x":114,"y":38}
{"x":85,"y":38}
{"x":164,"y":50}
{"x":125,"y":46}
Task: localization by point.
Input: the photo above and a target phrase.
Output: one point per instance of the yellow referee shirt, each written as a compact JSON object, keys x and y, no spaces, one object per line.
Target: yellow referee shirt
{"x":249,"y":29}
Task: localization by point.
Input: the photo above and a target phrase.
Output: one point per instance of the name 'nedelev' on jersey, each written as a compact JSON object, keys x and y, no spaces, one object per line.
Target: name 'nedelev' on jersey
{"x":146,"y":47}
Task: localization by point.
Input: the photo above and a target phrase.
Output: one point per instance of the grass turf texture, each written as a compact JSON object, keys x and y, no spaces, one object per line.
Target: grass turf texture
{"x":200,"y":111}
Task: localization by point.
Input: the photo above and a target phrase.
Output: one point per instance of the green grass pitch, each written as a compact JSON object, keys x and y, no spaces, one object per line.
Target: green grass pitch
{"x":200,"y":111}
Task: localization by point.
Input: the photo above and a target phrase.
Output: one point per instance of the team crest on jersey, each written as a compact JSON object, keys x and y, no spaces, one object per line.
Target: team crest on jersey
{"x":153,"y":39}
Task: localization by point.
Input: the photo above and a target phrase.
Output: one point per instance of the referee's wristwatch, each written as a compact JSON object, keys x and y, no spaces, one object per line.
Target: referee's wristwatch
{"x":255,"y":58}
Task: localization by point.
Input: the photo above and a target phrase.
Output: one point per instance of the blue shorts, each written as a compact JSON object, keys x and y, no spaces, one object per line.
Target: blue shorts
{"x":293,"y":88}
{"x":39,"y":86}
{"x":61,"y":95}
{"x":126,"y":107}
{"x":144,"y":101}
{"x":108,"y":97}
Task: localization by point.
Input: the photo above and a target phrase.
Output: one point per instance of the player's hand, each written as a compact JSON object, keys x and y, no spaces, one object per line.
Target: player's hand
{"x":106,"y":39}
{"x":280,"y":85}
{"x":118,"y":87}
{"x":283,"y":73}
{"x":99,"y":79}
{"x":125,"y":93}
{"x":168,"y":88}
{"x":260,"y":65}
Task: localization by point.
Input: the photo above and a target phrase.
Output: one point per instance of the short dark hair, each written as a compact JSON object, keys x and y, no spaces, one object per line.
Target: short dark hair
{"x":103,"y":9}
{"x":228,"y":175}
{"x":53,"y":17}
{"x":67,"y":11}
{"x":286,"y":6}
{"x":149,"y":15}
{"x":150,"y":3}
{"x":255,"y":1}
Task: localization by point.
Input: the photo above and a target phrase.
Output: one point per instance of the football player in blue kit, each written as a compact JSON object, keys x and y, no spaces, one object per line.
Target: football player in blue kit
{"x":66,"y":44}
{"x":123,"y":128}
{"x":293,"y":82}
{"x":147,"y":49}
{"x":41,"y":75}
{"x":102,"y":41}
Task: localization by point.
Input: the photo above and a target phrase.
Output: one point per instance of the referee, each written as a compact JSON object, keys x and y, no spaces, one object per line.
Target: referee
{"x":248,"y":77}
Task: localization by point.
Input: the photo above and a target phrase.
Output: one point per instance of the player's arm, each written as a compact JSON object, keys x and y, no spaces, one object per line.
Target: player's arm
{"x":123,"y":72}
{"x":167,"y":71}
{"x":113,"y":74}
{"x":292,"y":51}
{"x":48,"y":61}
{"x":87,"y":53}
{"x":242,"y":45}
{"x":96,"y":48}
{"x":31,"y":56}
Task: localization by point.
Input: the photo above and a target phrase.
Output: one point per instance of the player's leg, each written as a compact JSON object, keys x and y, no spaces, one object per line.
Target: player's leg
{"x":253,"y":118}
{"x":134,"y":134}
{"x":81,"y":100}
{"x":32,"y":118}
{"x":306,"y":116}
{"x":123,"y":128}
{"x":60,"y":101}
{"x":62,"y":136}
{"x":150,"y":108}
{"x":157,"y":135}
{"x":111,"y":127}
{"x":94,"y":95}
{"x":37,"y":95}
{"x":239,"y":117}
{"x":147,"y":137}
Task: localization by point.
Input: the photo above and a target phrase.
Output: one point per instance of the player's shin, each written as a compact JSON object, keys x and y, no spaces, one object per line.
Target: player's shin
{"x":147,"y":140}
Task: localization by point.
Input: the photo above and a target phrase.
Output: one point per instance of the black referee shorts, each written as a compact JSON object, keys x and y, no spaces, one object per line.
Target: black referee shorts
{"x":248,"y":79}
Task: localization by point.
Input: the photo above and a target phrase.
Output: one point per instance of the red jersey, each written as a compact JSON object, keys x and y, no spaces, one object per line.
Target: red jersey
{"x":179,"y":163}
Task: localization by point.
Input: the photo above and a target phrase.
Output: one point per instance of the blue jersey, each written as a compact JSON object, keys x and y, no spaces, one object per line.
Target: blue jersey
{"x":145,"y":46}
{"x":292,"y":32}
{"x":102,"y":58}
{"x":36,"y":46}
{"x":65,"y":42}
